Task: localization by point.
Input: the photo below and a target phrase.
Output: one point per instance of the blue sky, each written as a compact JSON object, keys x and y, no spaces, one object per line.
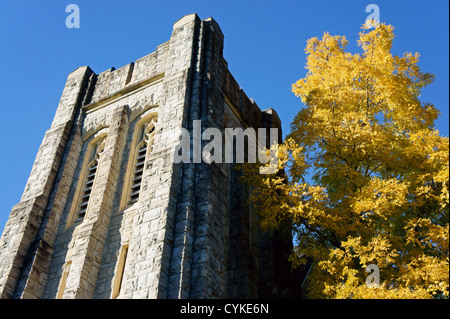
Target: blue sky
{"x":264,"y":43}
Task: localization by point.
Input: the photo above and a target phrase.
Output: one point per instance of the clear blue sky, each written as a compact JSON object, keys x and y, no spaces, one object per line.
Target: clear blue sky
{"x":264,"y":42}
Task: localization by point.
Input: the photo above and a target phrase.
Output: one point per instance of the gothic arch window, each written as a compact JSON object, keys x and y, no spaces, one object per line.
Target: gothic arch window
{"x":144,"y":147}
{"x":145,"y":131}
{"x":120,"y":271}
{"x":90,"y":178}
{"x":87,"y":180}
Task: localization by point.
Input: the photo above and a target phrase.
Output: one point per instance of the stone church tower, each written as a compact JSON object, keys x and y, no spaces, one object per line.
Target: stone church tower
{"x":106,"y":213}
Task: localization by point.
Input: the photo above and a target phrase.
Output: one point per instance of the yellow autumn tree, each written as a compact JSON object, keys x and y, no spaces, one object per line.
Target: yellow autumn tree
{"x":366,"y":174}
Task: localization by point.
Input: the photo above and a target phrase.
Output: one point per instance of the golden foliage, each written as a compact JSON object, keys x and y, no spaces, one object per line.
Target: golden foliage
{"x":380,"y":174}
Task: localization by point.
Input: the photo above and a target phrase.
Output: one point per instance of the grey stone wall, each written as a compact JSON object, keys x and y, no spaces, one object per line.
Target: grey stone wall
{"x":191,"y":234}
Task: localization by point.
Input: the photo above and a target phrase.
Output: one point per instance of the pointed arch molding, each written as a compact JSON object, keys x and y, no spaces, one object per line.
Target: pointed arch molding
{"x":144,"y":130}
{"x":93,"y":144}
